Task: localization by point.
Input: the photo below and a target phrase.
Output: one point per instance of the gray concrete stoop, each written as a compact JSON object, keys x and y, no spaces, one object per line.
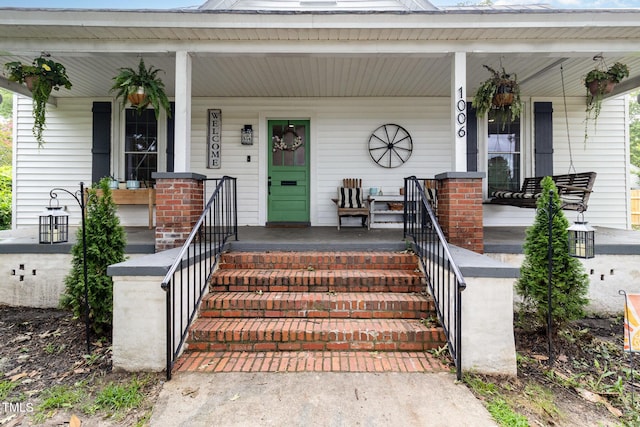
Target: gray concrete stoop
{"x":318,"y":399}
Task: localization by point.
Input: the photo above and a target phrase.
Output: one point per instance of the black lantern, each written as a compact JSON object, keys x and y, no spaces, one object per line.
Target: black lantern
{"x":581,"y":239}
{"x":246,"y":135}
{"x":54,"y":224}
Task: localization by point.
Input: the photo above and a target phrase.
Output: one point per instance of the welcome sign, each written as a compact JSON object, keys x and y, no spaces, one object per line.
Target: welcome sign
{"x":214,"y":139}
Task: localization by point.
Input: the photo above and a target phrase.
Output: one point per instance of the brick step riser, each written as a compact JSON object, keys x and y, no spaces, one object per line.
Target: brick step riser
{"x":316,"y":314}
{"x":314,"y":346}
{"x":298,"y":261}
{"x":310,"y":308}
{"x":394,"y":288}
{"x":315,"y":341}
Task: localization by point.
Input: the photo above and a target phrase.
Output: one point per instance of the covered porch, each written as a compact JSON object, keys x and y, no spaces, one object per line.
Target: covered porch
{"x":345,"y":74}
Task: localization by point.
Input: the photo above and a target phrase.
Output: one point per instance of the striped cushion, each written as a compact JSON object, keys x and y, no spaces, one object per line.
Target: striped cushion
{"x":514,"y":195}
{"x":350,"y":197}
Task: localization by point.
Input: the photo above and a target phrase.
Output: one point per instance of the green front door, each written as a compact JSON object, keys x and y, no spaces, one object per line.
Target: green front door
{"x":288,"y":200}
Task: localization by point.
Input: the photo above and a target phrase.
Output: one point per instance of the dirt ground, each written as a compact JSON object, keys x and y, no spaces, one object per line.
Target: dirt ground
{"x":46,"y":347}
{"x":42,"y":348}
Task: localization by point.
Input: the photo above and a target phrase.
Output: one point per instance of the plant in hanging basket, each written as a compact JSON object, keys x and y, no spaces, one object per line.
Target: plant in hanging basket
{"x":600,"y":82}
{"x":41,"y":77}
{"x":141,"y":87}
{"x":500,"y":91}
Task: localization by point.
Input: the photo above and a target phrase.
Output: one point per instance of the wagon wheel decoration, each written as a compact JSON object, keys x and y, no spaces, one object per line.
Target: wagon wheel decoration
{"x":390,"y":146}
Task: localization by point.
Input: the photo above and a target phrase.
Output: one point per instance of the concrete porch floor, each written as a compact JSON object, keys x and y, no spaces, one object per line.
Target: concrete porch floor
{"x":140,"y":240}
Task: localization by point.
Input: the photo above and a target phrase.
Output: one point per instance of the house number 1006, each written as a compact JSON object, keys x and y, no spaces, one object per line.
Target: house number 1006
{"x":461,"y":118}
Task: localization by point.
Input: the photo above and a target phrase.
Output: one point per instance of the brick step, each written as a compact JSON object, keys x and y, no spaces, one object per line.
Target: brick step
{"x":281,"y":280}
{"x":309,"y":361}
{"x":279,"y":334}
{"x":315,"y":260}
{"x":362,"y":305}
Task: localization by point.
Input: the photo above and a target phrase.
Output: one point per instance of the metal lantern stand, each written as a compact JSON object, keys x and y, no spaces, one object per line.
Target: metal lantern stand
{"x":80,"y":199}
{"x":581,"y":239}
{"x":580,"y":245}
{"x":53,"y":224}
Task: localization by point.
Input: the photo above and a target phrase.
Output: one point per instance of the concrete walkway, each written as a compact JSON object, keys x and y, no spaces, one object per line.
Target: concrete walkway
{"x":317,"y":399}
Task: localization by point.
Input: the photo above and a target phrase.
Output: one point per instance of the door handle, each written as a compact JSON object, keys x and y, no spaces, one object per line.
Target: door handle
{"x":269,"y":186}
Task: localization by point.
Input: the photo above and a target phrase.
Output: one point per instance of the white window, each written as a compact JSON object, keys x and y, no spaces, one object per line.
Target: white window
{"x":503,"y":153}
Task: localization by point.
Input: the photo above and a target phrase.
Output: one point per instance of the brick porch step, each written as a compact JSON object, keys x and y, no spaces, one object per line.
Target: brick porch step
{"x":359,"y":305}
{"x":281,"y":334}
{"x":342,"y":280}
{"x":310,"y":361}
{"x":314,"y":311}
{"x":320,"y":260}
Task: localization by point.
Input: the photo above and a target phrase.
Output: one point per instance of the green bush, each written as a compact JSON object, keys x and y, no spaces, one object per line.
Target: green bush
{"x":570,"y":283}
{"x":5,"y":198}
{"x":105,"y":246}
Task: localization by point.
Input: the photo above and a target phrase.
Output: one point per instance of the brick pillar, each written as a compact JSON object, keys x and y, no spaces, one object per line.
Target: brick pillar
{"x":179,"y":204}
{"x":460,"y":209}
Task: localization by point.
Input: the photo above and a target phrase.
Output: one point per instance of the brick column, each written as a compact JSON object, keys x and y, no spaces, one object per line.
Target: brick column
{"x":179,"y":204}
{"x":460,"y":209}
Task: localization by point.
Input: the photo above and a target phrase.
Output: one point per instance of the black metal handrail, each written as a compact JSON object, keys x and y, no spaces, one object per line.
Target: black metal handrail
{"x":444,"y":278}
{"x":186,"y":281}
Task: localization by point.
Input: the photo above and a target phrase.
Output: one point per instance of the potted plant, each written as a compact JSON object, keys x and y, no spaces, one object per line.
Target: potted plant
{"x":599,"y":82}
{"x":141,"y":88}
{"x":41,"y":77}
{"x":501,"y":91}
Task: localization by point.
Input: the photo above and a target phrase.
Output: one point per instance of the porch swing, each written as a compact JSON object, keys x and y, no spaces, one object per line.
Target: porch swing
{"x":574,"y":188}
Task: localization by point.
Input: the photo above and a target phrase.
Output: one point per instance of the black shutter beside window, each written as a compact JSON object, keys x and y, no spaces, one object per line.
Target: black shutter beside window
{"x":171,"y":135}
{"x":101,"y":145}
{"x":472,"y":139}
{"x":543,"y":128}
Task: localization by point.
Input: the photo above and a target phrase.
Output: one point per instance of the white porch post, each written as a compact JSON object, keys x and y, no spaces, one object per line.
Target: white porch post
{"x":459,"y":110}
{"x":182,"y":156}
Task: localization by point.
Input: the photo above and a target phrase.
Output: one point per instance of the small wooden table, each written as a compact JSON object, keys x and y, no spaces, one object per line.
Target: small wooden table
{"x":140,"y":196}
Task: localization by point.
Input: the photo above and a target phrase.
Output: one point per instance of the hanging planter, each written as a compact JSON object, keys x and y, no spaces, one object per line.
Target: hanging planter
{"x":601,"y":81}
{"x":141,"y":88}
{"x":138,"y":98}
{"x":41,"y":78}
{"x":501,"y":91}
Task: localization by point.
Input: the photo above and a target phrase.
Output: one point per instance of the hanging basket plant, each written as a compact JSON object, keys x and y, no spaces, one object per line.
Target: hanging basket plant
{"x":501,"y":92}
{"x":601,"y":81}
{"x":141,"y":88}
{"x":41,"y":77}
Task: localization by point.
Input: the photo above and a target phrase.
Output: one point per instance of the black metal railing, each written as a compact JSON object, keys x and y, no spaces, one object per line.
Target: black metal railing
{"x":186,"y":281}
{"x":443,"y":275}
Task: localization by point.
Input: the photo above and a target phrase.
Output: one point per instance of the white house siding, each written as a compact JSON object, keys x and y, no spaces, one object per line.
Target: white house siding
{"x":64,"y":161}
{"x":605,"y":152}
{"x":340,"y":129}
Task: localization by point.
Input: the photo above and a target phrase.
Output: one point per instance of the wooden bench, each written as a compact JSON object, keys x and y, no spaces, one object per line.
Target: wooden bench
{"x":140,"y":196}
{"x":574,"y":191}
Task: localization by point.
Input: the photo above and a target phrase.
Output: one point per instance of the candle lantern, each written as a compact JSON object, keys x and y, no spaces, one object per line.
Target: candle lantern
{"x":54,"y":224}
{"x":581,"y":239}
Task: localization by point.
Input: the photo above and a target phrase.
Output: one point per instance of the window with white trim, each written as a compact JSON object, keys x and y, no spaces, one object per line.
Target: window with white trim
{"x":503,"y":153}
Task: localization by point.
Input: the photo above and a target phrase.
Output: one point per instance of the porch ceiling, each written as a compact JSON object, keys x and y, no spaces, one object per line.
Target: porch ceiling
{"x":325,"y":55}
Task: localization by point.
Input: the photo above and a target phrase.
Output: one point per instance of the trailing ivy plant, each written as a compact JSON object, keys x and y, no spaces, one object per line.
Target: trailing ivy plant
{"x":570,"y":282}
{"x":106,"y":243}
{"x":41,"y":77}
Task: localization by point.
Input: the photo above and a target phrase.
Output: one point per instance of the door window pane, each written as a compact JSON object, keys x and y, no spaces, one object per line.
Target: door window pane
{"x":503,"y":168}
{"x":141,"y":145}
{"x":288,"y":145}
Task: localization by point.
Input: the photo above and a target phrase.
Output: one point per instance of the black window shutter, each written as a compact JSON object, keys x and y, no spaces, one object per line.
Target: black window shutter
{"x":171,"y":135}
{"x":101,"y":146}
{"x":543,"y":128}
{"x":472,"y":139}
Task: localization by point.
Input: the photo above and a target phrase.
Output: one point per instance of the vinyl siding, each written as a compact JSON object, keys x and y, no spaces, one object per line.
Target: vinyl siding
{"x":340,"y":129}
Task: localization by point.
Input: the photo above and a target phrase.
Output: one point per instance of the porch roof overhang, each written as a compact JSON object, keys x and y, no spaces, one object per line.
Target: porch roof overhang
{"x":330,"y":54}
